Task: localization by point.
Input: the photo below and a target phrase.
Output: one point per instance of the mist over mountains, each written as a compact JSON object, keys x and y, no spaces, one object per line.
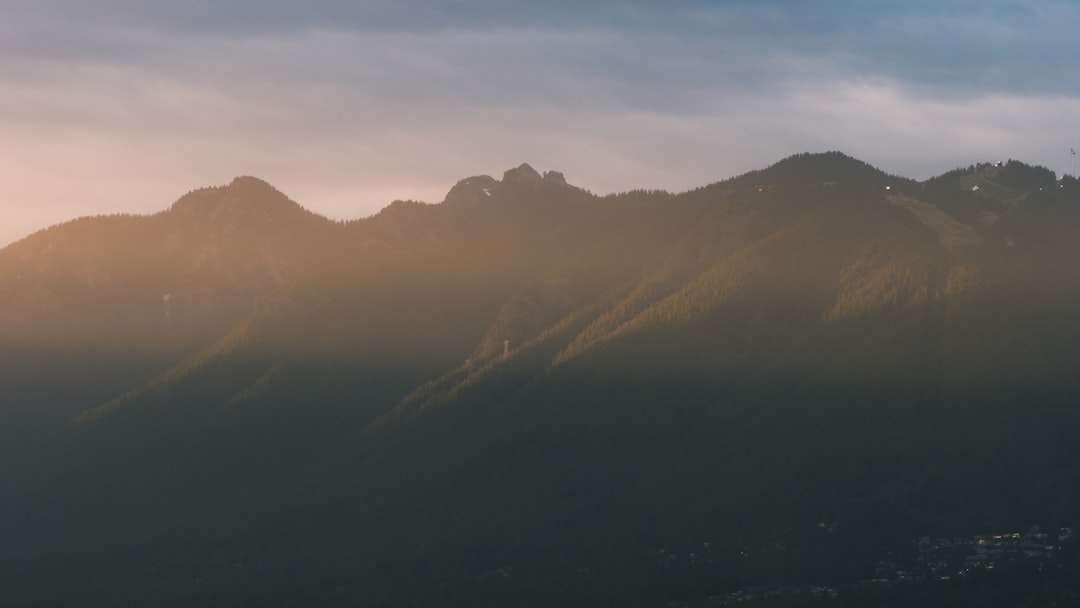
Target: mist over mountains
{"x":529,"y":394}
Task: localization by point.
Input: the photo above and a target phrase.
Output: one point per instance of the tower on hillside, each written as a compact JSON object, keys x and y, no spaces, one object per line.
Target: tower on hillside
{"x":165,"y":297}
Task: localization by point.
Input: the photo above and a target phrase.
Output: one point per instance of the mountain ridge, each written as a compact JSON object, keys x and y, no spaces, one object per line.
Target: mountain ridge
{"x":802,"y":169}
{"x":529,"y":394}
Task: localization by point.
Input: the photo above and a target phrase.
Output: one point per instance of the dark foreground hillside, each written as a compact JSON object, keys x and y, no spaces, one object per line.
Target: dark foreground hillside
{"x":811,"y":385}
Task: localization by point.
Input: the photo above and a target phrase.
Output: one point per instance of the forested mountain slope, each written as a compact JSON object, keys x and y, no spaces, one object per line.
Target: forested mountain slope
{"x":528,"y":394}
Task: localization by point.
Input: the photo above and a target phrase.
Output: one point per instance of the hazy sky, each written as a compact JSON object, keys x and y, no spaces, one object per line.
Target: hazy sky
{"x":345,"y":105}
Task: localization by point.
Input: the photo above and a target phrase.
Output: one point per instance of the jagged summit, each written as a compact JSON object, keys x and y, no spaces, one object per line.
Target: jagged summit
{"x":522,"y":175}
{"x":554,"y":177}
{"x":520,"y":180}
{"x":471,"y":190}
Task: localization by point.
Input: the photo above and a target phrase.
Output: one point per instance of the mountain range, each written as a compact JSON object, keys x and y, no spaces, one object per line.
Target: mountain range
{"x":528,"y":394}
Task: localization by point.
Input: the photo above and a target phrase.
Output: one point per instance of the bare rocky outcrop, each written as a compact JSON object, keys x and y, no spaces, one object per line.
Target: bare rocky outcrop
{"x":471,"y":190}
{"x":522,"y":176}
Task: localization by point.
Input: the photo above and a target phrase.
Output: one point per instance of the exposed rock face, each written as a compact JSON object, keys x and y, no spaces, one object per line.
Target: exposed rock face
{"x":471,"y":190}
{"x":521,"y":180}
{"x":522,"y":176}
{"x":554,"y":178}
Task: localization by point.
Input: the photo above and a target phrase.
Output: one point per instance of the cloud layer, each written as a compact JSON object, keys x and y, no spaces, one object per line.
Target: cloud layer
{"x":123,"y":105}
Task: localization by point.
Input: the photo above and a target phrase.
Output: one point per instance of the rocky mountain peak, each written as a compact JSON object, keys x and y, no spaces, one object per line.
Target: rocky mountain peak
{"x":523,"y":175}
{"x":522,"y":179}
{"x":554,"y":178}
{"x":471,"y":190}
